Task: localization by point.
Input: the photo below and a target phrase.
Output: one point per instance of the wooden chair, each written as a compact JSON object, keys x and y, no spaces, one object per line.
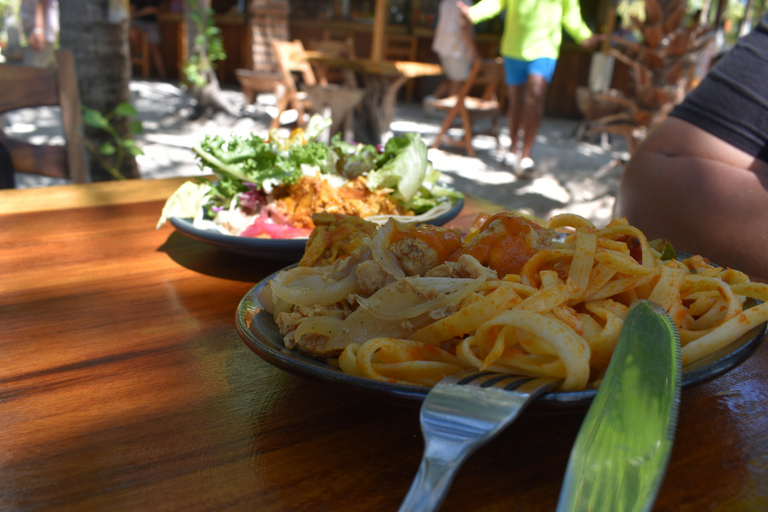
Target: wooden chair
{"x":402,"y":47}
{"x":290,"y":59}
{"x":337,"y":90}
{"x":344,"y":48}
{"x":253,"y":82}
{"x":140,"y":52}
{"x":28,"y":87}
{"x":486,"y":75}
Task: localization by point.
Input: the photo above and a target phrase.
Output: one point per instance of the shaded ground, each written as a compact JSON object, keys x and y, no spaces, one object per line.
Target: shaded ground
{"x":572,"y":175}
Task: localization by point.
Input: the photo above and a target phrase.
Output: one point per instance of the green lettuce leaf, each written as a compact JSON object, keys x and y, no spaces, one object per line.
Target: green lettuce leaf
{"x":248,"y":159}
{"x":402,"y":167}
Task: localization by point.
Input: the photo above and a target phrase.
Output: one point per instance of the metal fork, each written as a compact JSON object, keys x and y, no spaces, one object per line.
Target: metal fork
{"x":460,"y":414}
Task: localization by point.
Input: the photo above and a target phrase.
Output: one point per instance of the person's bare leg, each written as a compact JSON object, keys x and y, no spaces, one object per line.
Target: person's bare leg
{"x":533,"y":111}
{"x":700,"y":193}
{"x":515,"y":105}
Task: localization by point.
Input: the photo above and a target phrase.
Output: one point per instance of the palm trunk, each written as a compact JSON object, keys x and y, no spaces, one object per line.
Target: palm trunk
{"x":102,"y":64}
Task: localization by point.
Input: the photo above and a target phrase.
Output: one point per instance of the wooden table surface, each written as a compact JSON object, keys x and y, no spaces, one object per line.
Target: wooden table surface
{"x":125,"y":386}
{"x":409,"y":69}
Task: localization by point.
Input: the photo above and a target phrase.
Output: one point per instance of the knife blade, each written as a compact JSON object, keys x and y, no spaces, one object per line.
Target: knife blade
{"x":622,"y":450}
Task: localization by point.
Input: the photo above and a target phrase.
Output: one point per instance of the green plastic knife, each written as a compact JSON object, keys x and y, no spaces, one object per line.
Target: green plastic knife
{"x":621,"y":453}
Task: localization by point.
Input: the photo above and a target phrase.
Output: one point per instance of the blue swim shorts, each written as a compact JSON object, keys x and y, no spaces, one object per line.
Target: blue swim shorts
{"x":516,"y":71}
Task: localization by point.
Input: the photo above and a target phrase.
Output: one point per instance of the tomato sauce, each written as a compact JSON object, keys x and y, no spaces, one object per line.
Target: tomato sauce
{"x":504,"y":250}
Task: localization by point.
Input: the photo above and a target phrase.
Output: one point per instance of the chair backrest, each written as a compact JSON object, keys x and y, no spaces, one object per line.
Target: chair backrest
{"x":401,"y":47}
{"x":291,"y":59}
{"x":336,"y":47}
{"x":28,"y":87}
{"x":486,"y":75}
{"x":343,"y":48}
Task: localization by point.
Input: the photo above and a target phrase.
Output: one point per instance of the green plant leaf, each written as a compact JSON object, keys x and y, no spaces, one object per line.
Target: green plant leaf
{"x":125,"y":109}
{"x":130,"y":146}
{"x":137,"y":127}
{"x":94,"y":119}
{"x":107,"y":149}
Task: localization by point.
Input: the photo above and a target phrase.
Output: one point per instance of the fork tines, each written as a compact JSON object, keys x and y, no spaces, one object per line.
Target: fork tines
{"x":488,"y":379}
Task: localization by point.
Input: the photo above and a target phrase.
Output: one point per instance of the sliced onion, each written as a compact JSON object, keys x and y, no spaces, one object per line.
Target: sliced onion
{"x":305,"y":286}
{"x":431,"y":214}
{"x":322,"y":325}
{"x":405,"y":299}
{"x":361,"y":326}
{"x":266,"y":299}
{"x":379,"y":245}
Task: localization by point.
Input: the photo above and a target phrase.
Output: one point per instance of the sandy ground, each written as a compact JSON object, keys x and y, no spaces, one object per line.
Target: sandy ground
{"x":572,"y":175}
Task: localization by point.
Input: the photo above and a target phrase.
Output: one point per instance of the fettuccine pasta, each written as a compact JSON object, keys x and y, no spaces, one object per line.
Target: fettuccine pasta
{"x":407,"y":304}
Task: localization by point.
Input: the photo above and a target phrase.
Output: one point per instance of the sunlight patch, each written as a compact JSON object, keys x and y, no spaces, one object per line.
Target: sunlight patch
{"x":414,"y":126}
{"x":549,"y":188}
{"x":468,"y":168}
{"x":54,"y":140}
{"x":23,"y":128}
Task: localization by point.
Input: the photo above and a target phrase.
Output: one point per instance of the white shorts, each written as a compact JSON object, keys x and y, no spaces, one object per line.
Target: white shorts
{"x":456,"y":69}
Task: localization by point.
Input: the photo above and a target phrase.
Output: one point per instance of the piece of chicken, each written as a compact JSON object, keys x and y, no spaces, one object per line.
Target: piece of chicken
{"x":335,"y":237}
{"x":421,"y":248}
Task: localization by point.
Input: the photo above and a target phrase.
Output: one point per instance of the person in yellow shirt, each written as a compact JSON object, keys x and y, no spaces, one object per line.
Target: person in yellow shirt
{"x":530,"y":46}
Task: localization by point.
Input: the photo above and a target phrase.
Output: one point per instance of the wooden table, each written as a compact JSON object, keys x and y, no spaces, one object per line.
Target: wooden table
{"x":125,"y":386}
{"x":382,"y":80}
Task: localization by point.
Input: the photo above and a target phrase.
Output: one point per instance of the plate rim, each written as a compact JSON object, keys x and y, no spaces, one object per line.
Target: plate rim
{"x":263,"y":246}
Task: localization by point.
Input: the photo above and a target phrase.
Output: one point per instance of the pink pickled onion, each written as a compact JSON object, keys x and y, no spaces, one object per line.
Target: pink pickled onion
{"x":266,"y":225}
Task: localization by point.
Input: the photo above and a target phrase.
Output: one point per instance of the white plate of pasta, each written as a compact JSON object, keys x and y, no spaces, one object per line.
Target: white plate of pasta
{"x":261,"y":335}
{"x":557,"y":314}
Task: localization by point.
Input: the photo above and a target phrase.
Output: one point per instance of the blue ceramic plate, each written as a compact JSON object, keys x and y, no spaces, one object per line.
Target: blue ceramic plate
{"x":273,"y":249}
{"x":262,"y":336}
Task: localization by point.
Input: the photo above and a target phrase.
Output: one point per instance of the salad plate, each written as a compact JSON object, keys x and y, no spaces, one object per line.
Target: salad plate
{"x":260,"y":333}
{"x":257,"y":180}
{"x":288,"y":250}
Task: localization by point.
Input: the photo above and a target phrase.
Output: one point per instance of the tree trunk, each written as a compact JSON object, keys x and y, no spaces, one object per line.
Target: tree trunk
{"x":103,"y":66}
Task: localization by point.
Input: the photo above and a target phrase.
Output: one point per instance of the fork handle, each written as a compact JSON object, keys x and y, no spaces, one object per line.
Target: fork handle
{"x":431,"y":483}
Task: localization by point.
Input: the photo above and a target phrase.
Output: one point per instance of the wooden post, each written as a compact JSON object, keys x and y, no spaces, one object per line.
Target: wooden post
{"x":379,"y":26}
{"x":610,"y":26}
